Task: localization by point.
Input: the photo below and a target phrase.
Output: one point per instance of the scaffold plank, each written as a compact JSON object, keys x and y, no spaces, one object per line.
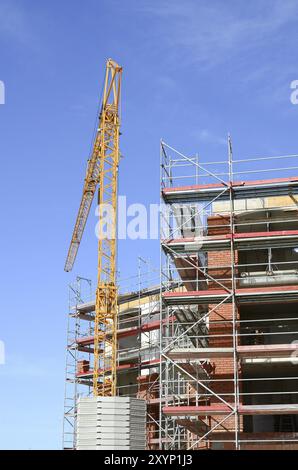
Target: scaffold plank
{"x":273,"y":239}
{"x":144,"y":364}
{"x":272,"y":294}
{"x":241,"y":190}
{"x":224,"y":410}
{"x":249,"y":351}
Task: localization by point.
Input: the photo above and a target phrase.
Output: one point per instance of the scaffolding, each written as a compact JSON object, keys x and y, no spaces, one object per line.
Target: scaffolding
{"x":137,"y":346}
{"x":80,"y":291}
{"x":210,"y":339}
{"x":229,"y":260}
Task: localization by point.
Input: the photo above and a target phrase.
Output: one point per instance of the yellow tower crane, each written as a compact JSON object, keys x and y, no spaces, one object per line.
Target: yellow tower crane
{"x":102,"y":171}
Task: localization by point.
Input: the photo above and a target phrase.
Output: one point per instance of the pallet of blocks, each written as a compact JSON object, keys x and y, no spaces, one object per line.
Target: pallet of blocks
{"x":111,"y":423}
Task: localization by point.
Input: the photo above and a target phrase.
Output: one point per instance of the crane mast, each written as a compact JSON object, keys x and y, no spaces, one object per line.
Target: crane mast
{"x":105,"y":327}
{"x":102,"y":171}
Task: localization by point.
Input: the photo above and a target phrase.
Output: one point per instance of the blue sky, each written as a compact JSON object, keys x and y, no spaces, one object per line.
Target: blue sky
{"x":193,"y":71}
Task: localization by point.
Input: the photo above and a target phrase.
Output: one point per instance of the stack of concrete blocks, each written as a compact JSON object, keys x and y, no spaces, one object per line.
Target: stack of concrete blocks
{"x":111,"y":423}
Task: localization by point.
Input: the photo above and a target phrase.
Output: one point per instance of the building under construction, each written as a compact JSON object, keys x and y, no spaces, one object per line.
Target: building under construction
{"x":211,"y":341}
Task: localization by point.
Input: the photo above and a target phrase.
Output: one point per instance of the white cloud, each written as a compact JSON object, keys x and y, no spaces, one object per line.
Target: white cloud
{"x":166,"y":83}
{"x":211,"y":32}
{"x":13,"y":22}
{"x":208,"y":137}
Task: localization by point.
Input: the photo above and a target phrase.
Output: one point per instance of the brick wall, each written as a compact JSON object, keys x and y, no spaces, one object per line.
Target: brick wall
{"x":147,"y":390}
{"x":221,"y":335}
{"x":219,"y":268}
{"x":218,"y":224}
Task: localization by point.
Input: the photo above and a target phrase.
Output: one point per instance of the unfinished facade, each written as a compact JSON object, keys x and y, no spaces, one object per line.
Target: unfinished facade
{"x":213,"y":345}
{"x":229,"y":370}
{"x":138,"y":352}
